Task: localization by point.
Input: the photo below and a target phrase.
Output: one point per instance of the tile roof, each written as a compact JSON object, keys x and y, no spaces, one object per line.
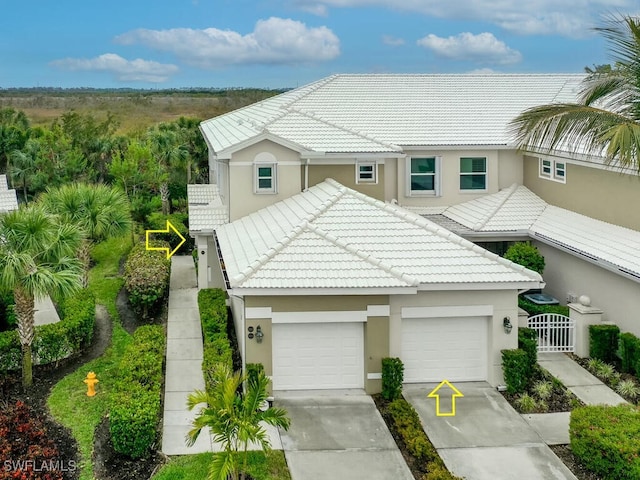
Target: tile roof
{"x":8,"y":197}
{"x":382,"y":113}
{"x":333,"y":237}
{"x":206,"y":211}
{"x":3,"y":183}
{"x":518,"y":209}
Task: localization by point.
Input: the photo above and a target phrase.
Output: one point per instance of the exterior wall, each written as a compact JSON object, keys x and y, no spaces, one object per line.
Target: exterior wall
{"x":376,"y":329}
{"x":345,"y":173}
{"x":209,"y":270}
{"x":505,"y":304}
{"x":242,"y":199}
{"x":510,"y":168}
{"x":391,"y":178}
{"x":617,"y":296}
{"x":450,"y":193}
{"x":597,"y":193}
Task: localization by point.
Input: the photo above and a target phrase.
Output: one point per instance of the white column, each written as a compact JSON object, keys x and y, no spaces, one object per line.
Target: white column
{"x":583,"y":315}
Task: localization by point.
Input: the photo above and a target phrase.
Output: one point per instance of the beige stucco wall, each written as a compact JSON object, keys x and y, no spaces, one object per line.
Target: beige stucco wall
{"x":242,"y":199}
{"x":617,"y":296}
{"x":505,"y":304}
{"x":510,"y":168}
{"x":346,"y":175}
{"x":450,"y":193}
{"x":607,"y":195}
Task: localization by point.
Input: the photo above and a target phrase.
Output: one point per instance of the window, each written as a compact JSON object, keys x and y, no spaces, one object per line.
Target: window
{"x":545,"y":168}
{"x":473,"y":173}
{"x":265,"y":169}
{"x":366,"y":172}
{"x":560,"y":170}
{"x":553,"y":170}
{"x":423,"y":176}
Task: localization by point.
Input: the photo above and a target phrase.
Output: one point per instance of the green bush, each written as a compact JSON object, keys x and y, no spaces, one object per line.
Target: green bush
{"x":392,"y":377}
{"x":517,"y":373}
{"x":214,"y":319}
{"x":630,"y":353}
{"x":146,"y":277}
{"x":603,"y":342}
{"x":10,"y":351}
{"x":158,"y":221}
{"x":606,"y":440}
{"x":535,"y":309}
{"x":527,"y":255}
{"x":253,"y":371}
{"x":134,"y":410}
{"x":8,"y":319}
{"x":528,"y":341}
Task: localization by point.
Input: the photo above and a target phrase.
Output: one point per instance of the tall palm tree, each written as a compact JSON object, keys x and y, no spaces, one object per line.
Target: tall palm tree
{"x":606,"y":119}
{"x":37,"y":258}
{"x":170,"y":152}
{"x":99,"y":211}
{"x":234,"y":420}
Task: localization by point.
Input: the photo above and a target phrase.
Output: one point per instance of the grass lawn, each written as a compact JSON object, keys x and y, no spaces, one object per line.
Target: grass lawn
{"x":273,"y":466}
{"x":68,"y":401}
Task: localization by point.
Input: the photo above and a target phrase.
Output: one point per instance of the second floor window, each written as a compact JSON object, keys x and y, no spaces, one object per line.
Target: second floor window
{"x":473,"y":173}
{"x":366,"y":172}
{"x":265,"y":178}
{"x":423,"y":175}
{"x":553,"y":170}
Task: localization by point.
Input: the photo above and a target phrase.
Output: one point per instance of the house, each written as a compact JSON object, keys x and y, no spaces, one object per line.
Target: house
{"x":429,"y":154}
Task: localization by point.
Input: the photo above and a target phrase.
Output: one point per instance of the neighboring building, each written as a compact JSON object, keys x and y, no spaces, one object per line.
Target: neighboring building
{"x":436,"y":146}
{"x":8,"y":197}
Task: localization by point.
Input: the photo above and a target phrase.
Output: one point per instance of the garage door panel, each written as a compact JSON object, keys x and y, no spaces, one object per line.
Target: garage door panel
{"x":318,"y":356}
{"x":434,"y":349}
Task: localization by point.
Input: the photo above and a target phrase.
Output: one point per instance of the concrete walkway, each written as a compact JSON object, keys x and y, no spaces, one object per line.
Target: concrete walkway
{"x":44,"y":311}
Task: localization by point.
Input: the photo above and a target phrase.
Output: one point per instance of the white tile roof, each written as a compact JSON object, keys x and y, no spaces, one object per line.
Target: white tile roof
{"x":333,"y":237}
{"x":518,"y":209}
{"x":8,"y":197}
{"x":3,"y":183}
{"x":206,"y":211}
{"x":380,"y":113}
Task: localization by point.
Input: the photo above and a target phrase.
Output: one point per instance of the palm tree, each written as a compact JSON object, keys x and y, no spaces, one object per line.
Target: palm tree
{"x":606,"y":119}
{"x":169,"y":151}
{"x":99,"y":211}
{"x":234,"y":420}
{"x":37,"y":258}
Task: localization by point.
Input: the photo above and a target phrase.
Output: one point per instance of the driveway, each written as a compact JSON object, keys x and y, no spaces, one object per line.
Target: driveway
{"x":486,"y":439}
{"x":337,"y":435}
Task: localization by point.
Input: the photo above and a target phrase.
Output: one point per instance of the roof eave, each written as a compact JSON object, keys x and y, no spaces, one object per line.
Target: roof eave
{"x":249,"y":292}
{"x":481,"y":286}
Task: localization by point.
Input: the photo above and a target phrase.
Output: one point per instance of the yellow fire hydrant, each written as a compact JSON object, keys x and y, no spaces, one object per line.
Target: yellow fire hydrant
{"x":91,"y":381}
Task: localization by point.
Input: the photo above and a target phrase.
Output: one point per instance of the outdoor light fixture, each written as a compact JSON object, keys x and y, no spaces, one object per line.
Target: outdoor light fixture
{"x":259,"y":334}
{"x":506,"y":324}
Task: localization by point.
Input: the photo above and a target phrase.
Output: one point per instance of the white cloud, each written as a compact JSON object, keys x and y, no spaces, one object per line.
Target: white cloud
{"x":393,"y":41}
{"x":481,"y":48}
{"x":273,"y":41}
{"x":137,"y":70}
{"x":573,"y":18}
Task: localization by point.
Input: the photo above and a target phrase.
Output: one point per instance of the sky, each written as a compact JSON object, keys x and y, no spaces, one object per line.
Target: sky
{"x":286,"y":43}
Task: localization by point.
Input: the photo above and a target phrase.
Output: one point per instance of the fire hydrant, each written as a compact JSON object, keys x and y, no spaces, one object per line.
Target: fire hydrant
{"x":91,"y":381}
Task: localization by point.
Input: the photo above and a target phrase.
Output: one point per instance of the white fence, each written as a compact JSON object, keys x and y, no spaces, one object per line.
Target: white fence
{"x":556,"y":333}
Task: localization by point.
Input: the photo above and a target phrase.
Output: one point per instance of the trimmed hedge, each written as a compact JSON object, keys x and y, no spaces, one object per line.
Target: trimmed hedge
{"x":516,"y":369}
{"x":55,"y":341}
{"x":392,"y":377}
{"x":158,"y":221}
{"x":630,"y":353}
{"x":603,"y":342}
{"x":535,"y":309}
{"x":407,"y":423}
{"x":214,"y":319}
{"x":606,"y":440}
{"x":527,"y":255}
{"x":528,"y":341}
{"x":146,"y":277}
{"x":134,"y":412}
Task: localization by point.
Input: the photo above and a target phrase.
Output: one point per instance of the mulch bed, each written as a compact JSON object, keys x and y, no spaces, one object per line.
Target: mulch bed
{"x":584,"y":363}
{"x":572,"y":462}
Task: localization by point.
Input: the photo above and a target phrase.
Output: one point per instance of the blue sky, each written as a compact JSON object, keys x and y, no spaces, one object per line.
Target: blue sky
{"x":285,"y":43}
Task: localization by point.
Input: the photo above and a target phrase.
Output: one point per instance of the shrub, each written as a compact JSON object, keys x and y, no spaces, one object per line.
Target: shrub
{"x":527,"y":255}
{"x":543,"y":389}
{"x":606,"y":440}
{"x":630,"y":353}
{"x":158,"y":221}
{"x":605,"y":371}
{"x":254,"y":370}
{"x":515,"y":366}
{"x":10,"y":351}
{"x":535,"y":309}
{"x":214,"y":319}
{"x":528,"y":341}
{"x":8,"y":319}
{"x":134,"y":412}
{"x":526,"y":403}
{"x":603,"y":342}
{"x":146,"y":277}
{"x":392,"y":377}
{"x":628,"y":388}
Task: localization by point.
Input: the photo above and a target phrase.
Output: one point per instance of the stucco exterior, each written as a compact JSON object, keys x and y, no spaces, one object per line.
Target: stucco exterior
{"x":345,"y":173}
{"x":595,"y":192}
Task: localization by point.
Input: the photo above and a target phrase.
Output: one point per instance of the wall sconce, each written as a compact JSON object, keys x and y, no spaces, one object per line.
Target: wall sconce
{"x":259,"y":334}
{"x":506,"y":324}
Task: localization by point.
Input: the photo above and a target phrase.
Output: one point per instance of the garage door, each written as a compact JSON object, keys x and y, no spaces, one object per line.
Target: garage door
{"x":311,"y":356}
{"x":436,"y":349}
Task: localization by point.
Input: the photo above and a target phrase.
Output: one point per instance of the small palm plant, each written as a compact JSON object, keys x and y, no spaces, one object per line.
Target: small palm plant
{"x":543,"y":390}
{"x":235,"y":420}
{"x":628,"y":388}
{"x":526,"y":403}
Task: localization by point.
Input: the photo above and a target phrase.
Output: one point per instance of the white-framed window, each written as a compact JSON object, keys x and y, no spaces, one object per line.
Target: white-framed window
{"x":265,"y":171}
{"x":555,"y":170}
{"x":473,"y":173}
{"x":423,"y":175}
{"x":366,"y":172}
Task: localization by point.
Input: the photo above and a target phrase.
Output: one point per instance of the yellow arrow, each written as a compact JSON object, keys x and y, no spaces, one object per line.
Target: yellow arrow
{"x":456,"y":393}
{"x":169,"y":228}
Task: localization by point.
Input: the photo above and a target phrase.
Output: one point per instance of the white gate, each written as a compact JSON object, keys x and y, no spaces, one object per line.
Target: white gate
{"x":556,"y":333}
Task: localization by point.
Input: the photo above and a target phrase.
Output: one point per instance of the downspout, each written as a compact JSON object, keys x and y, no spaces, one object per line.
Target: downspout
{"x":306,"y":175}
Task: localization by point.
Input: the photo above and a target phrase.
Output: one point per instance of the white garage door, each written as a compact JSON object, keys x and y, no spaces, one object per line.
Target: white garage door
{"x":436,"y":349}
{"x":318,"y":356}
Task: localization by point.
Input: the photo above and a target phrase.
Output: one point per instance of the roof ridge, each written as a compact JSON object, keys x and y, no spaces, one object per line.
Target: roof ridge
{"x":374,"y":261}
{"x":510,"y":191}
{"x":308,"y":89}
{"x":442,"y":232}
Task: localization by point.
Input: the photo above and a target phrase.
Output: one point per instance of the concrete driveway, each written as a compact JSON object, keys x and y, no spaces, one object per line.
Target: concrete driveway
{"x":336,"y":435}
{"x":486,"y":439}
